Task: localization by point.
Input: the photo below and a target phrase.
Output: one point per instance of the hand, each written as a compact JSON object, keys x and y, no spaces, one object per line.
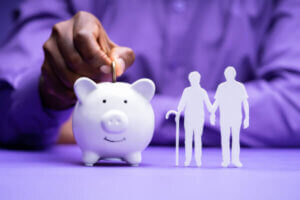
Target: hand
{"x":246,"y":122}
{"x":212,"y":119}
{"x":66,"y":133}
{"x":78,"y":47}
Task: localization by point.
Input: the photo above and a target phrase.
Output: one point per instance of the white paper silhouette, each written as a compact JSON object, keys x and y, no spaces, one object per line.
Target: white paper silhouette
{"x":192,"y":103}
{"x":229,"y":98}
{"x":177,"y":134}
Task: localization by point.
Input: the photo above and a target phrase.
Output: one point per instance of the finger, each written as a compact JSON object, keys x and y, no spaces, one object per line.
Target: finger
{"x":86,"y":36}
{"x":64,"y":39}
{"x":103,"y":40}
{"x":73,"y":60}
{"x":124,"y":58}
{"x":58,"y":65}
{"x":105,"y":74}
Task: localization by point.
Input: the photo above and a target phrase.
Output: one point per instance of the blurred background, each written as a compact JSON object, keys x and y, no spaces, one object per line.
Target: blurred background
{"x":6,"y":16}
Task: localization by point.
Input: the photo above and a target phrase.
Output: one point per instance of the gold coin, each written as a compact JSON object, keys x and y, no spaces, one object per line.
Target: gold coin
{"x":113,"y":69}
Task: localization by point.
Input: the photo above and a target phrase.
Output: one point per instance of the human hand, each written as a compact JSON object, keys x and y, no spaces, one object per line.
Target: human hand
{"x":246,"y":122}
{"x":212,"y":119}
{"x":78,"y":47}
{"x":66,"y":133}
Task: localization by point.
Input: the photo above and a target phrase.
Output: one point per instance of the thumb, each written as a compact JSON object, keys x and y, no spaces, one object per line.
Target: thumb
{"x":124,"y":58}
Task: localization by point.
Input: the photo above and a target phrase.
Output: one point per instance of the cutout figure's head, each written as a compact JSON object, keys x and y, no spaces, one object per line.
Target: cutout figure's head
{"x":194,"y":78}
{"x":230,"y":73}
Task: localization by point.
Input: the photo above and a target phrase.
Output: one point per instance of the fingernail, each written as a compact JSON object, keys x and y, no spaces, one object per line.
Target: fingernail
{"x":105,"y":69}
{"x":121,"y":68}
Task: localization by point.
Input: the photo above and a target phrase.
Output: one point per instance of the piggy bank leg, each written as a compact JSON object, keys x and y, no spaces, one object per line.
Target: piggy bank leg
{"x":134,"y":159}
{"x":90,"y":158}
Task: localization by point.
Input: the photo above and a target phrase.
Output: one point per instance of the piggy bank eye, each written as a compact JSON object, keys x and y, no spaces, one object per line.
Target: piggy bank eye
{"x":104,"y":101}
{"x":125,"y":101}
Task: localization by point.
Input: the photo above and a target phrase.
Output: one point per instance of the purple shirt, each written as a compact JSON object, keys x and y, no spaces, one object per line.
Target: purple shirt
{"x":170,"y":39}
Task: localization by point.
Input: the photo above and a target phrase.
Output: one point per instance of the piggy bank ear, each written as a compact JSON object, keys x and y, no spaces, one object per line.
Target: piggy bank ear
{"x":82,"y":87}
{"x":145,"y":87}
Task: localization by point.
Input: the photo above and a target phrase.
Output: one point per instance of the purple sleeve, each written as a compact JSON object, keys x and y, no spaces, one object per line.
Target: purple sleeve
{"x":23,"y":120}
{"x":273,"y":97}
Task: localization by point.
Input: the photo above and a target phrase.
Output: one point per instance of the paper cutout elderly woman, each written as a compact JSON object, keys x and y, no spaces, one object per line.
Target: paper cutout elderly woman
{"x":192,"y":103}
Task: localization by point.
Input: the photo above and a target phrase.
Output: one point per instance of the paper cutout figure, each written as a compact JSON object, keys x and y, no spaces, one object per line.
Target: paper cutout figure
{"x":192,"y":103}
{"x":229,"y":97}
{"x":113,"y":120}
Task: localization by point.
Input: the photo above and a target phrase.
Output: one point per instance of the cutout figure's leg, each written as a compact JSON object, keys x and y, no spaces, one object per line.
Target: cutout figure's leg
{"x":198,"y":146}
{"x":90,"y":158}
{"x":188,"y":146}
{"x":134,"y":159}
{"x":225,"y":142}
{"x":236,"y":145}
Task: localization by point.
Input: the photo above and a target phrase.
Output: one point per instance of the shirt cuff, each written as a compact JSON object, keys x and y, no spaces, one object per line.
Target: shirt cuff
{"x":35,"y":125}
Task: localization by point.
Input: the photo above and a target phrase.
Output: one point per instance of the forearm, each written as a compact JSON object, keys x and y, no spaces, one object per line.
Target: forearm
{"x":25,"y":123}
{"x":208,"y":105}
{"x":246,"y":108}
{"x":274,"y":114}
{"x":214,"y":106}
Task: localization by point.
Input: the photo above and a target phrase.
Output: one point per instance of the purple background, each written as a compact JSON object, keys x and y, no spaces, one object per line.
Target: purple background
{"x":170,"y":39}
{"x":58,"y":173}
{"x":6,"y":16}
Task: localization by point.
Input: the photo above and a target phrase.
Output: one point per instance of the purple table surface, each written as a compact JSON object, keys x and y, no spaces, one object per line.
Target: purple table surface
{"x":58,"y":173}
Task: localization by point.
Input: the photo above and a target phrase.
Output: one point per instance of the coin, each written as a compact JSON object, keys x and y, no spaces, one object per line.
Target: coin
{"x":113,"y":69}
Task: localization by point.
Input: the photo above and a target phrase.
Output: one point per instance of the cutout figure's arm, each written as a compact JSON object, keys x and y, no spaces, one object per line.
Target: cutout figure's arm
{"x":246,"y":110}
{"x":215,"y":106}
{"x":181,"y":105}
{"x":213,"y":111}
{"x":216,"y":103}
{"x":208,"y":103}
{"x":24,"y":122}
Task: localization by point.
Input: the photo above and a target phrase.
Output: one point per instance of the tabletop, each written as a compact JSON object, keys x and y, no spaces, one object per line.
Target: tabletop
{"x":58,"y":173}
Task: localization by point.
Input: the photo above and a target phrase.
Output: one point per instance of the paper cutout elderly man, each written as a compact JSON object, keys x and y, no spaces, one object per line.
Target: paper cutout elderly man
{"x":192,"y":102}
{"x":229,"y":97}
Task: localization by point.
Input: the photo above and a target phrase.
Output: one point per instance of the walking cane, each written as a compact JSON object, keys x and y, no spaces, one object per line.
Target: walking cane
{"x":177,"y":133}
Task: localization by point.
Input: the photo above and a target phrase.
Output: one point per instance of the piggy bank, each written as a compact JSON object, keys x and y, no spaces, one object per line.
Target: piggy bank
{"x":113,"y":120}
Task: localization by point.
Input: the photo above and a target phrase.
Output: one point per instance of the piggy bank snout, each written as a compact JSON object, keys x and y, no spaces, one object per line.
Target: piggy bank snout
{"x":114,"y":121}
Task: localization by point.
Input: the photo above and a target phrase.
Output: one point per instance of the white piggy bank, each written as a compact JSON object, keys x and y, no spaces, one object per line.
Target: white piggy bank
{"x":113,"y":120}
